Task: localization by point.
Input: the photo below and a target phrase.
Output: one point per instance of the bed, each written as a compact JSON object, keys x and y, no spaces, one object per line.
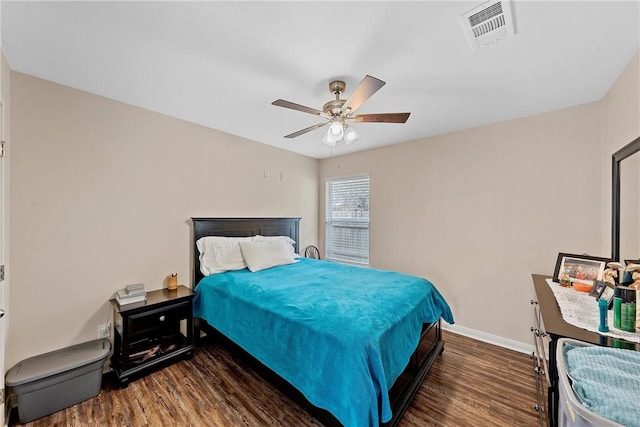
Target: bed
{"x":350,"y":354}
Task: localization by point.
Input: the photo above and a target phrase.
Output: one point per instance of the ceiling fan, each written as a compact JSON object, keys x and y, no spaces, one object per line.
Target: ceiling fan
{"x":338,"y":112}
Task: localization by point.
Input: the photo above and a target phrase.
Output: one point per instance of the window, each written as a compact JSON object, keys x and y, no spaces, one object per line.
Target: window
{"x":347,"y":219}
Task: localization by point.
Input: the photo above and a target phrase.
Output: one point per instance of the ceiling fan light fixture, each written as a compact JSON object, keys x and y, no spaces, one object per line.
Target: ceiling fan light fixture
{"x":350,"y":135}
{"x":336,"y":131}
{"x":326,"y":139}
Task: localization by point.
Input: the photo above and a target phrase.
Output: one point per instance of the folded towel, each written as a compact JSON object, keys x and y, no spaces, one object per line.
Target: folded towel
{"x":606,"y":380}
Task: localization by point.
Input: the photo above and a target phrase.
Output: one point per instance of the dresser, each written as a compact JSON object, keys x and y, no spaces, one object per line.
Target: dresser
{"x":548,"y":328}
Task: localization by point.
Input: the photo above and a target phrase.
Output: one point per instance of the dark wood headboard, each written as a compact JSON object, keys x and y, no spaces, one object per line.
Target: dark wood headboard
{"x":240,"y":227}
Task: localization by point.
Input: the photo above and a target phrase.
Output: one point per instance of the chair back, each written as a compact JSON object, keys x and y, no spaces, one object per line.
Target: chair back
{"x":312,"y":252}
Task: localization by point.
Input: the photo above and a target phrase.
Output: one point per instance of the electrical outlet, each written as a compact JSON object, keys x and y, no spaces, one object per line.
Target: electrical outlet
{"x":104,"y":331}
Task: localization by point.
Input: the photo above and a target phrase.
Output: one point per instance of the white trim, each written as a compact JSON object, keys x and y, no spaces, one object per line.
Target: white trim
{"x":489,"y":338}
{"x":348,"y":176}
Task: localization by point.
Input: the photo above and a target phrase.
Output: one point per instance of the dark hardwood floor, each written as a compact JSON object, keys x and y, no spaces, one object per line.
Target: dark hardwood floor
{"x":472,"y":384}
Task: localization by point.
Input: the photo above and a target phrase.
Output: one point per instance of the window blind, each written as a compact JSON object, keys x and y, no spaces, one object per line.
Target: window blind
{"x":347,"y":219}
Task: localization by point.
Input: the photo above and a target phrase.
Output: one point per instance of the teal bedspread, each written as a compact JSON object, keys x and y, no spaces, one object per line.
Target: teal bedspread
{"x":340,"y":334}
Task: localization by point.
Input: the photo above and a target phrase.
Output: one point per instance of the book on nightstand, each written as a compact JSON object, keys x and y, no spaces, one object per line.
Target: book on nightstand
{"x":132,"y":305}
{"x":131,"y":294}
{"x":135,"y":290}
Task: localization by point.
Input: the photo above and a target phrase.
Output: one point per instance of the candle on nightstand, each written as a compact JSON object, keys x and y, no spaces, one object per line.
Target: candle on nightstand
{"x":172,"y":282}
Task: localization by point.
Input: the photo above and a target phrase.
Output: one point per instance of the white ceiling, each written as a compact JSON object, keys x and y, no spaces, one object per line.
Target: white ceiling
{"x":221,"y":64}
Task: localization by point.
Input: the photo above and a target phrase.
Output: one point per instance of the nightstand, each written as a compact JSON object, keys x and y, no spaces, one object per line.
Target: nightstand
{"x":154,"y":334}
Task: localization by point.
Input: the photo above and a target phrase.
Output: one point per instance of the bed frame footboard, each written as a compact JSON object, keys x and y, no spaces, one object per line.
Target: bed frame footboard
{"x":400,"y":396}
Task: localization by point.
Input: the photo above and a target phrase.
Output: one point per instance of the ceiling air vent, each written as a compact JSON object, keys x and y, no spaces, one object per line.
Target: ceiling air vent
{"x":488,"y":23}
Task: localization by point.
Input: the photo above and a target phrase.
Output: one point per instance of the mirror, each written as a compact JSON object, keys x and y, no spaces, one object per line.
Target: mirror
{"x":625,"y":195}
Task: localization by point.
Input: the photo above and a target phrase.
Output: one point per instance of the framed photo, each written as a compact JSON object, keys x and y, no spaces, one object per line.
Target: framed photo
{"x":598,"y":287}
{"x":607,"y":294}
{"x":585,"y":269}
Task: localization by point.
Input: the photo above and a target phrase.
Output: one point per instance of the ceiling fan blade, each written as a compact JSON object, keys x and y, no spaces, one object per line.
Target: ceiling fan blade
{"x":298,"y":107}
{"x":367,"y":87}
{"x":305,"y":130}
{"x":381,"y":118}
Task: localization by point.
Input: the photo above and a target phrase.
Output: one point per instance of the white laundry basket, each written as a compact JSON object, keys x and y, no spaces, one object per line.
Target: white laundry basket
{"x":570,"y":411}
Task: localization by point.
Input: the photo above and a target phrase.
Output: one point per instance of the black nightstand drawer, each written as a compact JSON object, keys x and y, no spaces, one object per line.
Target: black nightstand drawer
{"x":160,"y":318}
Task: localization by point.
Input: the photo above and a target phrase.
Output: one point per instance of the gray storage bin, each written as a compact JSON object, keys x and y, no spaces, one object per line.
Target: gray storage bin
{"x":572,"y":413}
{"x":53,"y":381}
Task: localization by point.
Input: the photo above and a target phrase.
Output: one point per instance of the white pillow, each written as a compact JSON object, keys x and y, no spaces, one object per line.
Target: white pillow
{"x":266,"y":253}
{"x":220,"y":254}
{"x":290,"y":242}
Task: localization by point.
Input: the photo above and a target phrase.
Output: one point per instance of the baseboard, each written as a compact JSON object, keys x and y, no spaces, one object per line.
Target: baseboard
{"x":489,"y":338}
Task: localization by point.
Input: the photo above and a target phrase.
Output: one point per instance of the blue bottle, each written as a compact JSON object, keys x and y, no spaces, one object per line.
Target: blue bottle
{"x":604,"y":310}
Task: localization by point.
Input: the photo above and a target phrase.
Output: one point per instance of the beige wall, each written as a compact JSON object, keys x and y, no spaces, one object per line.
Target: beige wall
{"x":478,"y":211}
{"x":101,"y":195}
{"x":620,"y":126}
